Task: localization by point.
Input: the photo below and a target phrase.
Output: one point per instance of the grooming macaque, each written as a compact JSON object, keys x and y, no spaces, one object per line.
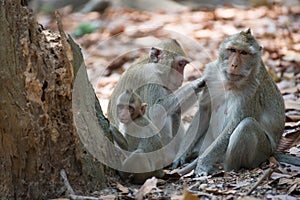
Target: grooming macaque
{"x":163,"y":66}
{"x":154,"y":79}
{"x":141,"y":136}
{"x":241,"y":111}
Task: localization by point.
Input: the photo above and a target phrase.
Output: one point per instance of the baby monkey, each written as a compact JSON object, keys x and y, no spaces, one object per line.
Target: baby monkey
{"x":129,"y":107}
{"x":141,"y":136}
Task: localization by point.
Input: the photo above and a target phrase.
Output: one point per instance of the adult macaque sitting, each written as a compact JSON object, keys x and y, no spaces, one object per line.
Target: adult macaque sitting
{"x":241,"y":112}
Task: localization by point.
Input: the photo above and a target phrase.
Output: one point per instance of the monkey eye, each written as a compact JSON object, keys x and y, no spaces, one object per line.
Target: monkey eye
{"x":119,"y":107}
{"x":182,"y":63}
{"x":232,"y":50}
{"x":131,"y":109}
{"x":244,"y":52}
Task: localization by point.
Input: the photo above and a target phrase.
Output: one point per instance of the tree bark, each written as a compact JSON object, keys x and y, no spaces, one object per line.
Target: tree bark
{"x":38,"y":137}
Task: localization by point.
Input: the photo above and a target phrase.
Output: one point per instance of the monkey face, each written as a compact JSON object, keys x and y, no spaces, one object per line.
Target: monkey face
{"x":236,"y":68}
{"x":125,"y":113}
{"x":239,"y":56}
{"x":129,"y":107}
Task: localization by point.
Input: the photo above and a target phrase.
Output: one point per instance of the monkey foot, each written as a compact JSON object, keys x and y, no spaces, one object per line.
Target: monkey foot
{"x":178,"y":162}
{"x":205,"y":168}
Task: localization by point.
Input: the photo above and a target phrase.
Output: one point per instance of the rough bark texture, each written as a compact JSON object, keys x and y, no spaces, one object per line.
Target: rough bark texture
{"x":37,"y":133}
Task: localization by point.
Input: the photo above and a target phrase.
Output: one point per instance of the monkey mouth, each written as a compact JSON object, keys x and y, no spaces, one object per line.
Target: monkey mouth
{"x":124,"y":121}
{"x":233,"y":77}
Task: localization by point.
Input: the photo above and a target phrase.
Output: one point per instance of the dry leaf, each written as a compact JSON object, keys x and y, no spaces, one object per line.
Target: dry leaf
{"x":187,"y":195}
{"x":239,"y":185}
{"x":228,"y":13}
{"x":248,"y":198}
{"x":122,"y":188}
{"x":292,"y":188}
{"x":146,"y":188}
{"x":292,"y":125}
{"x":227,"y":192}
{"x":284,"y":181}
{"x":108,"y":197}
{"x":276,"y":175}
{"x":60,"y":199}
{"x":292,"y":104}
{"x":284,"y":196}
{"x":295,"y":151}
{"x":292,"y":56}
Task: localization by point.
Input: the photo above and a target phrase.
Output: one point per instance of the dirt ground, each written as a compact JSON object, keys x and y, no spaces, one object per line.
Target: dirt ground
{"x":113,"y":40}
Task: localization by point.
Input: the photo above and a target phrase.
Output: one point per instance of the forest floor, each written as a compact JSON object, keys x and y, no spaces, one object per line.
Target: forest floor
{"x":111,"y":41}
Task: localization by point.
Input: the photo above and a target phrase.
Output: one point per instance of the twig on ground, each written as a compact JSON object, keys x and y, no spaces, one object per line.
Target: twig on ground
{"x":79,"y":197}
{"x":266,"y":175}
{"x":70,"y":191}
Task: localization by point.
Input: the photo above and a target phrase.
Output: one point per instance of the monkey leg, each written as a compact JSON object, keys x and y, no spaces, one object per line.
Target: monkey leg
{"x":143,"y":167}
{"x":248,"y":146}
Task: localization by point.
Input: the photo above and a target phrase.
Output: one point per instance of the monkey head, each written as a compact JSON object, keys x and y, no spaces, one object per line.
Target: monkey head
{"x":171,"y":56}
{"x":129,"y":107}
{"x":239,"y":56}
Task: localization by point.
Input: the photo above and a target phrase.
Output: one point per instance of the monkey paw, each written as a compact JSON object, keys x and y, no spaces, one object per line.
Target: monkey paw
{"x":198,"y":84}
{"x":205,"y":168}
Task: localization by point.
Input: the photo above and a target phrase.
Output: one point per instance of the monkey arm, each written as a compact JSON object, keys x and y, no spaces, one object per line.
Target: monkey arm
{"x":118,"y":137}
{"x":189,"y":142}
{"x":183,"y":98}
{"x":196,"y":131}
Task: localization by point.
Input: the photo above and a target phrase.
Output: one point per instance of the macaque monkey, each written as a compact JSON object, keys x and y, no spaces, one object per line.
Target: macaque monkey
{"x":241,"y":112}
{"x":141,"y":136}
{"x":156,"y":79}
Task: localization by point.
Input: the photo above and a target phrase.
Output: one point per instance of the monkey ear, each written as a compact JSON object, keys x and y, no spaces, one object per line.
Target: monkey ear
{"x":143,"y":108}
{"x":155,"y":54}
{"x":128,"y":91}
{"x":248,"y":31}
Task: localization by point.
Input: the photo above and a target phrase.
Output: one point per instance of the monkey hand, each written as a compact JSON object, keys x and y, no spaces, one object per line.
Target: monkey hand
{"x":198,"y":84}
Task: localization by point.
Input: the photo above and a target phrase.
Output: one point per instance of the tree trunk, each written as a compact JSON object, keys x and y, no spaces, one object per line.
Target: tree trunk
{"x":38,"y":137}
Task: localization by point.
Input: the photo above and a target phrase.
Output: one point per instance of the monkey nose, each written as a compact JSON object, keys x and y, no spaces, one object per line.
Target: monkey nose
{"x":233,"y":65}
